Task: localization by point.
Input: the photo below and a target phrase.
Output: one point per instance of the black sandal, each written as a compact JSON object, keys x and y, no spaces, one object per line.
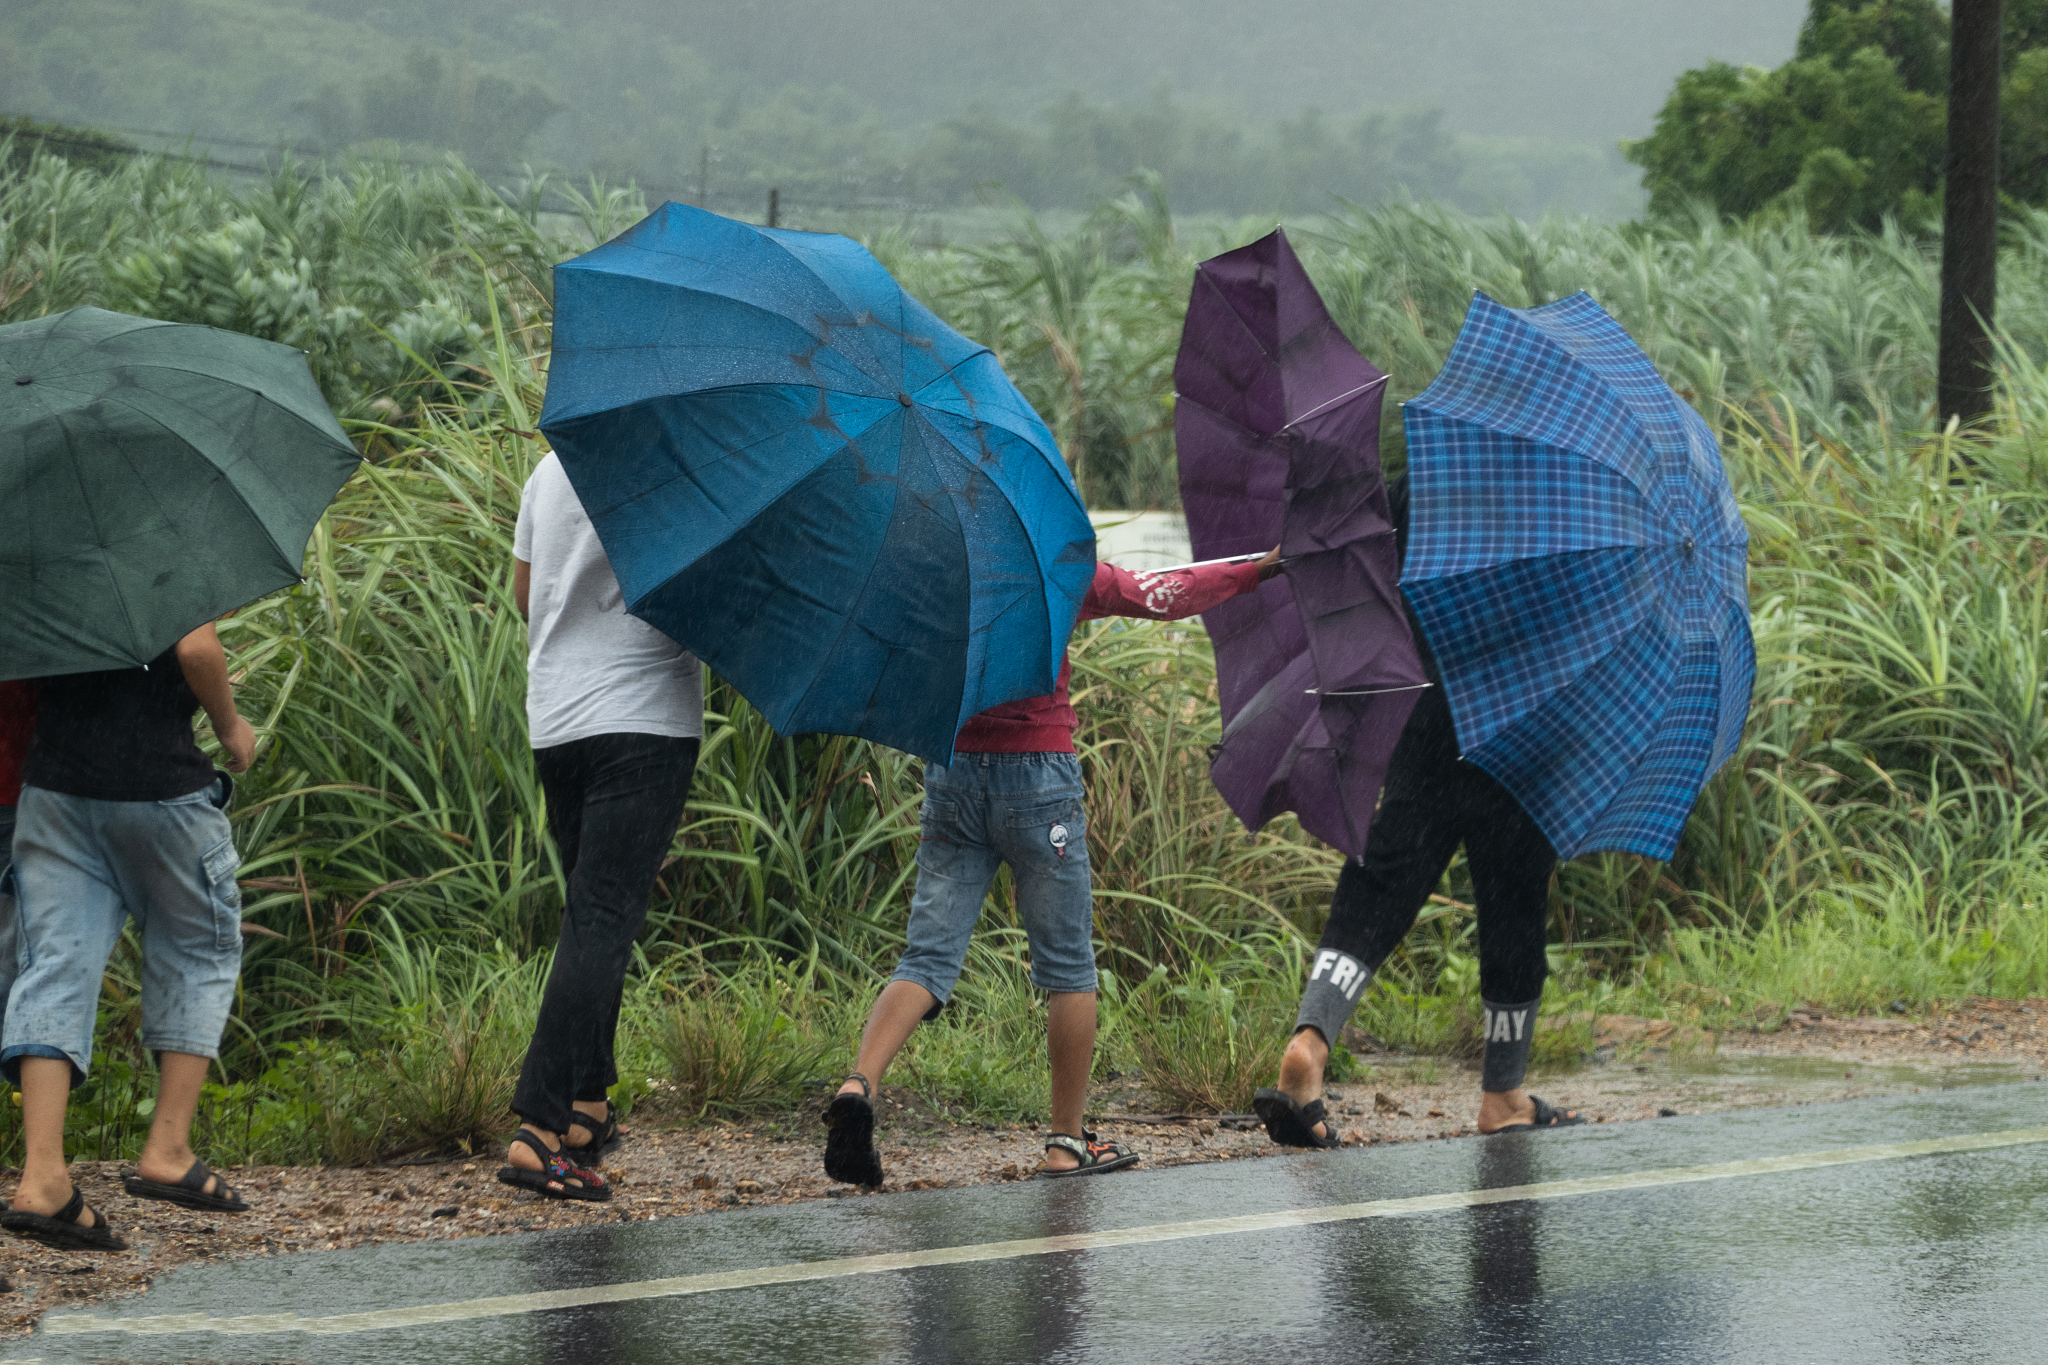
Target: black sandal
{"x":1291,"y":1124}
{"x":604,"y":1133}
{"x":850,"y":1155}
{"x":64,"y":1231}
{"x":1097,"y":1157}
{"x":1547,"y":1116}
{"x":558,"y":1178}
{"x":190,"y":1190}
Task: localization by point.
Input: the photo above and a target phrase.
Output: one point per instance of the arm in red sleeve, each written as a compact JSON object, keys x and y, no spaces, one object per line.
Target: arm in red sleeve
{"x":1166,"y":596}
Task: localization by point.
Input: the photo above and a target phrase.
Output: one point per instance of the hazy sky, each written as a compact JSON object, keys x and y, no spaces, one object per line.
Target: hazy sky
{"x":1594,"y":69}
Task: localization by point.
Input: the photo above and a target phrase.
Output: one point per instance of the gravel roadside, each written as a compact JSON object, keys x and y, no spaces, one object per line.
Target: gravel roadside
{"x":1640,"y":1069}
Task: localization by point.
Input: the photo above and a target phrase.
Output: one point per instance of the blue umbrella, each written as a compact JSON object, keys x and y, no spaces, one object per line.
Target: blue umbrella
{"x":1578,"y":566}
{"x":809,"y":481}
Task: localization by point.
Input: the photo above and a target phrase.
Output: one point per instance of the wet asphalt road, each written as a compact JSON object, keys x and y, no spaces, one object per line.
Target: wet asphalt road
{"x":1930,"y":1257}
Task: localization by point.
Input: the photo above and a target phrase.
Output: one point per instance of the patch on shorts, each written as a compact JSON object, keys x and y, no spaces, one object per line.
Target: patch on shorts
{"x":1057,"y":837}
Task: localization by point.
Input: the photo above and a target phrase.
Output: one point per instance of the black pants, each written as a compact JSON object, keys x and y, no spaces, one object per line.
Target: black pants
{"x":1433,"y":801}
{"x":614,"y":802}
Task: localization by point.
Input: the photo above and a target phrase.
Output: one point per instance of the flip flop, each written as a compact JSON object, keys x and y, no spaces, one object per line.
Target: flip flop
{"x":1291,"y":1124}
{"x":558,"y":1178}
{"x":1097,"y":1157}
{"x":1547,"y":1116}
{"x":190,"y":1190}
{"x":850,"y":1155}
{"x":63,"y":1231}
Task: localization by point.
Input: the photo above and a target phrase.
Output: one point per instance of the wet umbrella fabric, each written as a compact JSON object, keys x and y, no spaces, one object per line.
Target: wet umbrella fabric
{"x":804,"y":477}
{"x":1577,"y":563}
{"x":152,"y":477}
{"x":1277,"y":431}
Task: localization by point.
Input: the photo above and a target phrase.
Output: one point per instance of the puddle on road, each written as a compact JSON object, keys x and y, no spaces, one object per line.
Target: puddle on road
{"x":1702,"y":1081}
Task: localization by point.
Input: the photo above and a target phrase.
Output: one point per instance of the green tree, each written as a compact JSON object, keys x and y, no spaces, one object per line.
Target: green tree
{"x":1852,"y":128}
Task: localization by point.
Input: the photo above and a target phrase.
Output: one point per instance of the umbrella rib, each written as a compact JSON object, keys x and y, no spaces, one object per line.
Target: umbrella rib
{"x":1249,"y":431}
{"x":268,"y":534}
{"x":1368,"y":692}
{"x":113,"y":585}
{"x":1340,"y":398}
{"x":259,"y":393}
{"x":1231,"y":308}
{"x":826,"y":284}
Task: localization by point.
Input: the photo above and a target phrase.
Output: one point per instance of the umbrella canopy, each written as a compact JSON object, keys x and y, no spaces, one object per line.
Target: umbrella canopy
{"x":1277,"y":431}
{"x":152,"y":477}
{"x":1577,"y":563}
{"x":809,"y":481}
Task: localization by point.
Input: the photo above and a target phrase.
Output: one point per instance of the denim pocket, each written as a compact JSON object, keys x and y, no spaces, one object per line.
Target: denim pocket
{"x":219,"y":867}
{"x":1052,"y":810}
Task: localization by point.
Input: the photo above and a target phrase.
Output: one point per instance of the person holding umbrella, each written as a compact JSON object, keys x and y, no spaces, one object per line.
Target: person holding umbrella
{"x":1013,"y":794}
{"x":615,"y":711}
{"x":1578,"y":570}
{"x":122,"y":815}
{"x":1433,"y":801}
{"x":153,"y":477}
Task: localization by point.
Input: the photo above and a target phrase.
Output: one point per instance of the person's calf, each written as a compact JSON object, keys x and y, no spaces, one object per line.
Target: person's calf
{"x":167,"y":1152}
{"x":45,"y":1185}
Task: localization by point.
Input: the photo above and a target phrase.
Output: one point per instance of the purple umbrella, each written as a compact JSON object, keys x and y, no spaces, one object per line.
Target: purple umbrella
{"x":1277,"y":426}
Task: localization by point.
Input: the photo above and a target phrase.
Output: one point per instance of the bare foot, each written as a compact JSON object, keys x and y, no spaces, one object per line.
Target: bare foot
{"x":1499,"y":1109}
{"x":1301,"y":1070}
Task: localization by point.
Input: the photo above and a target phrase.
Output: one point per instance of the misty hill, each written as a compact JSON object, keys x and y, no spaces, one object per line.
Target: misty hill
{"x":917,"y":97}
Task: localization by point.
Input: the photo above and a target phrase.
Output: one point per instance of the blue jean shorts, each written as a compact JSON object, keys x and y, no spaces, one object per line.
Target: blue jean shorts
{"x":82,"y":869}
{"x":986,"y":810}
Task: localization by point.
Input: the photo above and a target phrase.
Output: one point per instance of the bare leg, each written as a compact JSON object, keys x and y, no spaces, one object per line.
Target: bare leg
{"x":1070,"y":1047}
{"x":897,"y":1012}
{"x":167,"y":1154}
{"x":45,"y":1182}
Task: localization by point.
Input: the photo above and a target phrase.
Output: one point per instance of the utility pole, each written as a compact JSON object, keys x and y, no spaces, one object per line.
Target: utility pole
{"x":775,"y":208}
{"x":1969,"y":218}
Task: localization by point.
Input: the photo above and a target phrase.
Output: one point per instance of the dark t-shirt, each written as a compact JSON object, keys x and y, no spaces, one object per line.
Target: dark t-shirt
{"x":121,"y":735}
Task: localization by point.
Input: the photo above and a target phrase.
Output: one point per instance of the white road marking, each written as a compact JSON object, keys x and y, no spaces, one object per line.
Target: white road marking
{"x":503,"y":1305}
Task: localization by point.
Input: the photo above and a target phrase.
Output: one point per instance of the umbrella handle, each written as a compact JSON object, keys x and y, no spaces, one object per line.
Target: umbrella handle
{"x":1374,"y":692}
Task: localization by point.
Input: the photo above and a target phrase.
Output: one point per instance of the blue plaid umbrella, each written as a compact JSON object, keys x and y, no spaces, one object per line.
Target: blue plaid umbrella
{"x":1577,"y":563}
{"x":809,"y":481}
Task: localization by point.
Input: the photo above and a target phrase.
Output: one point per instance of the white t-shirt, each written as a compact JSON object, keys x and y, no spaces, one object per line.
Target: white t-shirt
{"x":592,"y":669}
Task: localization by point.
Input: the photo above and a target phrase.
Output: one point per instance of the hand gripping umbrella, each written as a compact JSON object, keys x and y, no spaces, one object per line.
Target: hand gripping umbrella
{"x":152,"y":477}
{"x":1277,"y":430}
{"x":810,"y":482}
{"x":1577,"y":563}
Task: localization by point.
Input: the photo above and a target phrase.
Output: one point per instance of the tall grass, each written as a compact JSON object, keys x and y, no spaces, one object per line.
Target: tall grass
{"x":1878,"y":837}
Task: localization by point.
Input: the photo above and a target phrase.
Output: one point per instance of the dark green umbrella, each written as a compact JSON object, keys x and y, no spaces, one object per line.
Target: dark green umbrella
{"x":152,"y":477}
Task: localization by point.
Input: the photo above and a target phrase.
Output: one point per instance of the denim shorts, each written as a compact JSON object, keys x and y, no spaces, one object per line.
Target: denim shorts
{"x":6,"y":906}
{"x":82,"y":869}
{"x":986,"y":810}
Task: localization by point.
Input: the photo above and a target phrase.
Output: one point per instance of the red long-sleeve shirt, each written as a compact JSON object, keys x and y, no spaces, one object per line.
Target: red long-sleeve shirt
{"x":17,"y":720}
{"x":1045,"y":725}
